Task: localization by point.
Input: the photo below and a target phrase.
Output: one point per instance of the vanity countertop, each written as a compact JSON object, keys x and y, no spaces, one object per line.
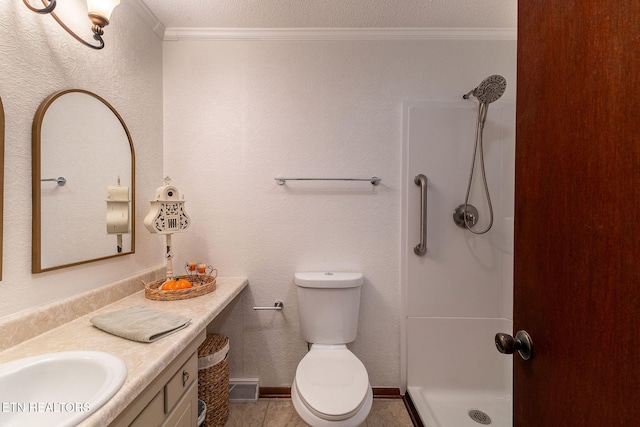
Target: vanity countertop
{"x":145,"y":361}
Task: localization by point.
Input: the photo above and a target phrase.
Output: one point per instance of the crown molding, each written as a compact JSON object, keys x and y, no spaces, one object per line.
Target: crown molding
{"x":148,"y":17}
{"x":175,"y":34}
{"x":325,"y":33}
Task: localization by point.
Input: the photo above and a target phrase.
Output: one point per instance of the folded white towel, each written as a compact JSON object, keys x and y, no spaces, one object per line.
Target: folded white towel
{"x":140,"y":323}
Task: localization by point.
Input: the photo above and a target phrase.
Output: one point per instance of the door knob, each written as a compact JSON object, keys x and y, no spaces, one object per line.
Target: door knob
{"x":522,"y":343}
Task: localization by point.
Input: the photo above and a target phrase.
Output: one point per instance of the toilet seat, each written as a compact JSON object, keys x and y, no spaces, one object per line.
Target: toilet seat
{"x":332,"y":382}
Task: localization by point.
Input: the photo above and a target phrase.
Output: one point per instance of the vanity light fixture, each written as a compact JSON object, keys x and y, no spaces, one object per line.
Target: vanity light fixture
{"x":99,"y":13}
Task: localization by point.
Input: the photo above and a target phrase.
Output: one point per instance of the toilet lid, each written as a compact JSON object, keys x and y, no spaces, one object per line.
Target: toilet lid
{"x":333,"y":383}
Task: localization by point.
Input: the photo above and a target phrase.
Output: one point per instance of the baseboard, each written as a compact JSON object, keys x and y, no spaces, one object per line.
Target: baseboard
{"x":275,"y":393}
{"x":285,"y":393}
{"x":413,"y":412}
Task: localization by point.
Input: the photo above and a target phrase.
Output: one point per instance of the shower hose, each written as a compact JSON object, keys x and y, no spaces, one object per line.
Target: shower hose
{"x":482,"y":115}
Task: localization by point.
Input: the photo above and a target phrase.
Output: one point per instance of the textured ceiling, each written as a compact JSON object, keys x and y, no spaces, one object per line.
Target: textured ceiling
{"x":334,"y":13}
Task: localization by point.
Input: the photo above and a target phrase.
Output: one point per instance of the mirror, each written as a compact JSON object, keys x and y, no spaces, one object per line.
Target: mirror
{"x":83,"y":157}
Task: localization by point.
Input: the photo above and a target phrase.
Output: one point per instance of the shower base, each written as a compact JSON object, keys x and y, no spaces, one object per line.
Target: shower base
{"x":454,"y":368}
{"x":451,"y":408}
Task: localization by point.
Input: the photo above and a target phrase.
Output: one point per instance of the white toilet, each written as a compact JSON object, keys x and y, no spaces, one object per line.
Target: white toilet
{"x":331,"y":387}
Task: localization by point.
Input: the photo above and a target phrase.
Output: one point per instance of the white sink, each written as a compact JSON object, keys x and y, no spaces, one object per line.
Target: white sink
{"x":58,"y":389}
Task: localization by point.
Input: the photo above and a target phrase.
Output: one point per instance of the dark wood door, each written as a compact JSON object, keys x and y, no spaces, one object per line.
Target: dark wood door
{"x":577,"y":219}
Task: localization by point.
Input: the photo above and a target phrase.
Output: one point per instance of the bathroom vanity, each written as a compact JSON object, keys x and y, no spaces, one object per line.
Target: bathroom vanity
{"x":172,"y":397}
{"x":161,"y":385}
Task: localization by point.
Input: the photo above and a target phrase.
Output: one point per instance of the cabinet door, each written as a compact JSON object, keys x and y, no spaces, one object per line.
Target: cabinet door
{"x":152,"y":414}
{"x":180,"y":382}
{"x":185,"y":414}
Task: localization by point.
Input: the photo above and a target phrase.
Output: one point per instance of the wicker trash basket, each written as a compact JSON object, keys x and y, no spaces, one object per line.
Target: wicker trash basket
{"x":213,"y":378}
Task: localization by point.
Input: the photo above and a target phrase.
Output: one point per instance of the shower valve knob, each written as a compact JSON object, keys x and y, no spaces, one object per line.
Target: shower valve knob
{"x":465,"y":218}
{"x":522,"y":343}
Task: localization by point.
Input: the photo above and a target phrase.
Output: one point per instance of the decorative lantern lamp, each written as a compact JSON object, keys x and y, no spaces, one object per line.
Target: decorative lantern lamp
{"x":118,"y":212}
{"x":167,"y":216}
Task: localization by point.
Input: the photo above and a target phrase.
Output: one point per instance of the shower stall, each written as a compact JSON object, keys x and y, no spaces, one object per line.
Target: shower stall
{"x":457,"y":294}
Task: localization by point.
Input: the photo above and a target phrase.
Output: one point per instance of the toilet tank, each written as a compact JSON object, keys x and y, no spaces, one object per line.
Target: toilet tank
{"x":328,"y":305}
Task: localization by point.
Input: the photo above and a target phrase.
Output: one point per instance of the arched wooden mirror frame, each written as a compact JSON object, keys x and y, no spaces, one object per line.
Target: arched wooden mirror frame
{"x":1,"y":182}
{"x":36,"y":264}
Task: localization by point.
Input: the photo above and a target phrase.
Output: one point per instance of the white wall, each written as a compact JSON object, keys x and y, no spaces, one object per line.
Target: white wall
{"x":239,"y":113}
{"x":38,"y":59}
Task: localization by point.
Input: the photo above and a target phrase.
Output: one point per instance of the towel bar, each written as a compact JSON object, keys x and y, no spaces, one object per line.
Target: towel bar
{"x":60,"y":180}
{"x":373,"y":180}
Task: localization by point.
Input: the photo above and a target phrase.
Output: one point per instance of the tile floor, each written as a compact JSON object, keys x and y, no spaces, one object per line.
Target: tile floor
{"x":281,"y":413}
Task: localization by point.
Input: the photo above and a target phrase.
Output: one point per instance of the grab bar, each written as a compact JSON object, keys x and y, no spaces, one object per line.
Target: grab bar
{"x":421,"y":248}
{"x":278,"y":305}
{"x":373,"y":180}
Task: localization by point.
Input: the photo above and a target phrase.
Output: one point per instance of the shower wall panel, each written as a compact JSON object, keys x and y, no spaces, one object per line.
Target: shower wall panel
{"x":462,"y":274}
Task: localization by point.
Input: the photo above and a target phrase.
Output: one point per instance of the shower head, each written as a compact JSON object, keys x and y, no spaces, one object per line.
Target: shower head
{"x":489,"y":90}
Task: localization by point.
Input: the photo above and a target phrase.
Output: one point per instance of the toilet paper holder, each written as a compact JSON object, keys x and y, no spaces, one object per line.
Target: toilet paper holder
{"x":278,"y":305}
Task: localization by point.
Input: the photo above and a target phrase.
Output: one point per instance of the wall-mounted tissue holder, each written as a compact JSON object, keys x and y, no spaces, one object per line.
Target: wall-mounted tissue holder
{"x":278,"y":305}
